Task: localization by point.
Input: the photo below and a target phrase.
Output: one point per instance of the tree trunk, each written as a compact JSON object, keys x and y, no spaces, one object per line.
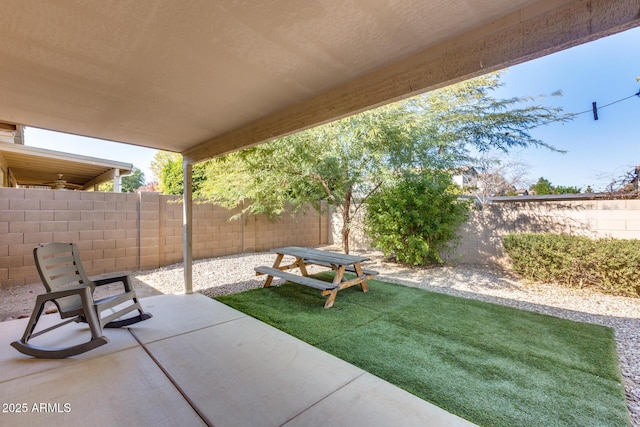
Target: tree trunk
{"x":345,"y":237}
{"x":346,"y":222}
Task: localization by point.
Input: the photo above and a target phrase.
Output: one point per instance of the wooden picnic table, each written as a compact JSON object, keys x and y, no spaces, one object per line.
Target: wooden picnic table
{"x":338,"y":262}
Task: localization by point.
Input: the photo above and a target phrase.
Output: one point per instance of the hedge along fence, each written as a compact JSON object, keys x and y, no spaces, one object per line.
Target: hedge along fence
{"x":608,"y":264}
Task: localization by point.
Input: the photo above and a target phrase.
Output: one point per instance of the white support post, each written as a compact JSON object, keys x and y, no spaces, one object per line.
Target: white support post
{"x":116,"y":181}
{"x":187,"y":225}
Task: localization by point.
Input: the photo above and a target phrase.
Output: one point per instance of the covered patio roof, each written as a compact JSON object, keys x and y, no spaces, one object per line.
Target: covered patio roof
{"x":207,"y":77}
{"x":38,"y":166}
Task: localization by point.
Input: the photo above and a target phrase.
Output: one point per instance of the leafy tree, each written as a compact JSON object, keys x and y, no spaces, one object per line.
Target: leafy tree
{"x":415,"y":218}
{"x":172,"y":177}
{"x":172,"y":174}
{"x":347,"y":161}
{"x":560,"y":189}
{"x":544,"y":186}
{"x":343,"y":162}
{"x":128,"y":183}
{"x":132,"y":182}
{"x":159,"y":161}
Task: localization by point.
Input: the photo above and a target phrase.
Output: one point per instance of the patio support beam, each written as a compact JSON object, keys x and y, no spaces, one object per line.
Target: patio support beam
{"x":543,"y":28}
{"x":117,"y":187}
{"x":187,"y":225}
{"x":106,"y":176}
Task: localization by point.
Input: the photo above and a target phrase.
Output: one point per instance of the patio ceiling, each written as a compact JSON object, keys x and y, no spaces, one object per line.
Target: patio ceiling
{"x":208,"y":77}
{"x":37,"y":166}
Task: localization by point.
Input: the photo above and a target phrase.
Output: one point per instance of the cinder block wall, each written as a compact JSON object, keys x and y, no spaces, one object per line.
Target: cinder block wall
{"x":214,"y":235}
{"x":127,"y":232}
{"x":104,"y":225}
{"x":481,"y":236}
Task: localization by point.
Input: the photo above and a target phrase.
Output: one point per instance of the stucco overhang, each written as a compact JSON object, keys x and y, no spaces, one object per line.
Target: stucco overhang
{"x":207,"y":77}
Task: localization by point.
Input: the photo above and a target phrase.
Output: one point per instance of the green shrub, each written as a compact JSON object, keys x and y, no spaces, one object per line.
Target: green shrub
{"x":611,"y":265}
{"x":415,"y":218}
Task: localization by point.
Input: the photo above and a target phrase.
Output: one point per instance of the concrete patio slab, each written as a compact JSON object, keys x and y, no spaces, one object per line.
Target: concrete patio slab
{"x":370,"y":401}
{"x":250,"y":374}
{"x":125,"y":388}
{"x":198,"y":362}
{"x":181,"y":314}
{"x":15,"y":364}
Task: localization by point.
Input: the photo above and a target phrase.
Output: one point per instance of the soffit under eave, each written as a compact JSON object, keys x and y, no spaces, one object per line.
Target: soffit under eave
{"x":511,"y":40}
{"x":33,"y":168}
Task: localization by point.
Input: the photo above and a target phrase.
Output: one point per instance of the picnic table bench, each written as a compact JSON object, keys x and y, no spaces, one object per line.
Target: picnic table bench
{"x":340,"y":263}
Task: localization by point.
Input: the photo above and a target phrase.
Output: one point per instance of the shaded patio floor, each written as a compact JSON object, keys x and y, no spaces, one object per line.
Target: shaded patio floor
{"x":198,"y":362}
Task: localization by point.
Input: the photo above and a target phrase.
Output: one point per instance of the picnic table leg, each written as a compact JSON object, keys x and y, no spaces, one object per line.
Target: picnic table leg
{"x":363,"y":285}
{"x":302,"y":267}
{"x":276,"y":264}
{"x":332,"y":297}
{"x":337,"y":279}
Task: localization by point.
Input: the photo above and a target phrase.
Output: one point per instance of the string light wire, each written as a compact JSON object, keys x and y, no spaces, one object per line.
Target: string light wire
{"x":592,"y":110}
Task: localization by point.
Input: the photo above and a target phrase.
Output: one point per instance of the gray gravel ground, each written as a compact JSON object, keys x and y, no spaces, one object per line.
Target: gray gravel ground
{"x":231,"y":274}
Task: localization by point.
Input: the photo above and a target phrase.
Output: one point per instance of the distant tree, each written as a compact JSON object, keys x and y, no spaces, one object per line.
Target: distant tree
{"x":624,"y":184}
{"x":560,"y":189}
{"x":132,"y":182}
{"x":500,"y":175}
{"x":544,"y":186}
{"x":128,"y":183}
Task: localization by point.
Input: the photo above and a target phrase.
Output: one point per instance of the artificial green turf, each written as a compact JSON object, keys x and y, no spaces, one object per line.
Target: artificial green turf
{"x":490,"y":364}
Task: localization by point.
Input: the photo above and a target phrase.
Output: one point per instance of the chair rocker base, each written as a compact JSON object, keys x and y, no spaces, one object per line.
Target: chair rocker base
{"x":129,"y":321}
{"x":58,"y":353}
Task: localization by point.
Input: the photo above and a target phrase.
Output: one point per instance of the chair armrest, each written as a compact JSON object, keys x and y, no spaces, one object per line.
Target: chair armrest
{"x":124,"y":279}
{"x":50,"y":296}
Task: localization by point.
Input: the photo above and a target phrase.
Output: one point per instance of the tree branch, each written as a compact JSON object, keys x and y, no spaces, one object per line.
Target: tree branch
{"x":373,"y":190}
{"x":325,"y":186}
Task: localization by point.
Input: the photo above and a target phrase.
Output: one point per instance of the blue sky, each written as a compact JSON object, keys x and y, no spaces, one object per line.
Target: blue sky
{"x":603,"y":71}
{"x":140,"y":157}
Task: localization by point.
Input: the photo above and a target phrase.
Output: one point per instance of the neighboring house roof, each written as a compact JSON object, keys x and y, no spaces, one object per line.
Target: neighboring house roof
{"x":552,"y":197}
{"x":207,"y":77}
{"x":37,"y":166}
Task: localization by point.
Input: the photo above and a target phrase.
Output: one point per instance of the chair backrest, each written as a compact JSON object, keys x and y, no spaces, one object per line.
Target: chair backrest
{"x":59,"y":267}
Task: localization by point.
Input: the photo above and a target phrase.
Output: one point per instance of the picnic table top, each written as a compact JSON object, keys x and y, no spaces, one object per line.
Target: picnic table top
{"x":320,"y":255}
